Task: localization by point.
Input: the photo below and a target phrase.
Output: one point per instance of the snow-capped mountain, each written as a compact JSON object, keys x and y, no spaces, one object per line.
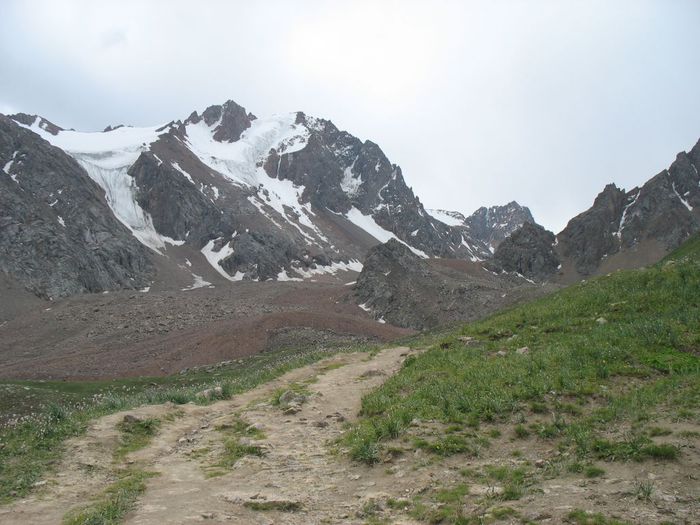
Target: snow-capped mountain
{"x":219,"y":195}
{"x":486,"y":227}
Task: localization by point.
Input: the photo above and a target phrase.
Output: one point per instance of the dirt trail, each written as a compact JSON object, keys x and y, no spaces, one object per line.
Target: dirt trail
{"x":298,"y":469}
{"x":300,"y":479}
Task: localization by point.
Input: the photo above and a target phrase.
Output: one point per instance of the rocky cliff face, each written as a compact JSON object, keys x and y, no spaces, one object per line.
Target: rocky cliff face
{"x":529,"y":251}
{"x":664,"y":211}
{"x":494,"y":224}
{"x":486,"y":228}
{"x":57,"y":234}
{"x":400,"y":288}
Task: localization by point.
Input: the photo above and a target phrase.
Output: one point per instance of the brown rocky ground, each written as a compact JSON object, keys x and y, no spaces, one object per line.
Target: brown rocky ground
{"x":126,"y":334}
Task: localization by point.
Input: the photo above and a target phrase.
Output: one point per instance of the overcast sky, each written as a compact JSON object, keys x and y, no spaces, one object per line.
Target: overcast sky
{"x":480,"y":102}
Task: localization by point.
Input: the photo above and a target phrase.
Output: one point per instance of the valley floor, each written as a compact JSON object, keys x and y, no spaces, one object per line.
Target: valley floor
{"x":273,"y":455}
{"x":133,"y":334}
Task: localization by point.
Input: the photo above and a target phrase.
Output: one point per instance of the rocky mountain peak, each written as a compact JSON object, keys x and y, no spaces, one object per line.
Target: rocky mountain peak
{"x":230,"y":119}
{"x":529,"y":251}
{"x":112,"y":128}
{"x":637,"y":225}
{"x":495,"y":223}
{"x":36,"y":120}
{"x":611,"y":197}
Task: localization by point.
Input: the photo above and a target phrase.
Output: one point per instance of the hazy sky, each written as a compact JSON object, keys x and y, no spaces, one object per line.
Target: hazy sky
{"x":480,"y":102}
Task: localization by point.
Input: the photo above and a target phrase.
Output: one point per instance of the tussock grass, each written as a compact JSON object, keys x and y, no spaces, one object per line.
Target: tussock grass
{"x":236,"y":446}
{"x":135,"y":435}
{"x":114,"y":503}
{"x":279,"y":506}
{"x":581,"y":517}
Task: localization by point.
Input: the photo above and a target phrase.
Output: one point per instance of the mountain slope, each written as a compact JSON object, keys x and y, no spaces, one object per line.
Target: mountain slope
{"x":400,"y":288}
{"x":488,"y":226}
{"x":224,"y":195}
{"x":57,"y":235}
{"x":627,"y":229}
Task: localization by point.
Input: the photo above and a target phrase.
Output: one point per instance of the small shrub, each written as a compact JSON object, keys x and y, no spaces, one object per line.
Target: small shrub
{"x":593,"y":472}
{"x":521,"y":432}
{"x":644,"y":489}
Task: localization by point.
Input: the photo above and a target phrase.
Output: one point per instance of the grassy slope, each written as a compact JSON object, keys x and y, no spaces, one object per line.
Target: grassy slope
{"x":603,"y":359}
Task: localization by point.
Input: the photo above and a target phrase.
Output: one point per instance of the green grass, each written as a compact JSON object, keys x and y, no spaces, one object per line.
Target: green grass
{"x":581,"y":517}
{"x":637,"y":448}
{"x":299,"y":389}
{"x":279,"y":506}
{"x":33,"y":443}
{"x":452,"y":495}
{"x":644,"y":489}
{"x":592,"y":471}
{"x":135,"y":435}
{"x":582,"y":377}
{"x":236,"y":446}
{"x":235,"y":450}
{"x":241,"y":427}
{"x":513,"y":481}
{"x":116,"y":501}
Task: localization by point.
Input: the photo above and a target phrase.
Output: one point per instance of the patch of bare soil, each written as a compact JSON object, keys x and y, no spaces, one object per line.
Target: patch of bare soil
{"x":289,"y":471}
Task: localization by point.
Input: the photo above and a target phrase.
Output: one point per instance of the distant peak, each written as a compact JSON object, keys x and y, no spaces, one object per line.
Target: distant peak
{"x":230,"y":118}
{"x":32,"y":120}
{"x":112,"y":128}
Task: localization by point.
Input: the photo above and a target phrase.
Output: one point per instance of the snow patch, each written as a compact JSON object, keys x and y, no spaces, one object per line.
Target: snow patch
{"x":8,"y":164}
{"x":350,"y":183}
{"x":284,"y":197}
{"x":184,"y":173}
{"x":353,"y":265}
{"x":199,"y":282}
{"x":470,"y":249}
{"x":618,"y":233}
{"x":368,"y":224}
{"x":237,"y":161}
{"x":523,"y":277}
{"x":446,"y":217}
{"x":61,"y":221}
{"x":215,"y":257}
{"x":282,"y":276}
{"x":685,"y":202}
{"x":106,"y":157}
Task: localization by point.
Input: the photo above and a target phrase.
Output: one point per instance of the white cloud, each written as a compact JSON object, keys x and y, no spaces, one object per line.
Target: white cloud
{"x":480,"y":102}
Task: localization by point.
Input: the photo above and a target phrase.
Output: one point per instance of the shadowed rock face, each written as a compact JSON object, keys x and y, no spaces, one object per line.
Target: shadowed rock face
{"x":402,"y":289}
{"x":178,"y":209}
{"x":528,"y":251}
{"x":340,"y":172}
{"x":666,"y":210}
{"x":492,"y":225}
{"x":58,"y":236}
